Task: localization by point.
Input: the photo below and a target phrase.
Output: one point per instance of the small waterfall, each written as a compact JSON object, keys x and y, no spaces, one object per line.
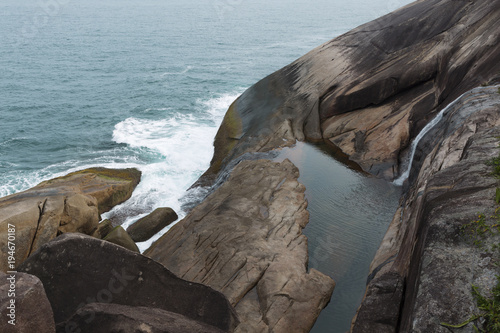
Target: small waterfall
{"x":399,"y":181}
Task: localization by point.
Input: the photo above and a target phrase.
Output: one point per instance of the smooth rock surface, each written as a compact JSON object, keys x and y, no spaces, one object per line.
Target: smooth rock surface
{"x":371,"y":90}
{"x":32,"y":309}
{"x":245,"y":241}
{"x":424,"y":248}
{"x":66,"y":204}
{"x":119,"y":236}
{"x":105,"y":318}
{"x":150,"y":225}
{"x":76,"y":270}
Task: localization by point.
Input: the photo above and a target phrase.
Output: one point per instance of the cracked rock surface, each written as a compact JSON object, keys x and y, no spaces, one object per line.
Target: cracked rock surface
{"x":245,"y":240}
{"x":66,"y":204}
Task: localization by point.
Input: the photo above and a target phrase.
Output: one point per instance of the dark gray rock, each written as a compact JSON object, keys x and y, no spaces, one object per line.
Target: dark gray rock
{"x":31,"y":310}
{"x":105,"y":318}
{"x":150,"y":225}
{"x":77,"y":270}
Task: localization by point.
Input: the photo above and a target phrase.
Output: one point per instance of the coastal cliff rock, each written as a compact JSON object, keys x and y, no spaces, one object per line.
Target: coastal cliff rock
{"x":370,"y":91}
{"x":423,"y":272}
{"x":77,"y":270}
{"x":31,"y":308}
{"x":66,"y":204}
{"x":245,"y":240}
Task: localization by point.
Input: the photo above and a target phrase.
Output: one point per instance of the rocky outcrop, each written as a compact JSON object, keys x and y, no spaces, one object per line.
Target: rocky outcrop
{"x":24,"y":304}
{"x":424,"y":269}
{"x":103,"y":229}
{"x":120,"y":236}
{"x":131,"y":319}
{"x":245,"y":241}
{"x":371,"y":90}
{"x":66,"y":204}
{"x":150,"y":225}
{"x":77,"y":270}
{"x":110,"y":187}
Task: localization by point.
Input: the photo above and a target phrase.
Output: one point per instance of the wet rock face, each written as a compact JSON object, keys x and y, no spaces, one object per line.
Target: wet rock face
{"x":371,"y":90}
{"x":245,"y":241}
{"x":66,"y":204}
{"x":424,"y":246}
{"x":77,"y":270}
{"x":32,"y":310}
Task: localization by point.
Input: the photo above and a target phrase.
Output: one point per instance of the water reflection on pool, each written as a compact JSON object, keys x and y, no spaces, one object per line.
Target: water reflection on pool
{"x":349,"y":215}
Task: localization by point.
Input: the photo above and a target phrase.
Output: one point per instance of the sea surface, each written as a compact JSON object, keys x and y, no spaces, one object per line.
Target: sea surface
{"x":145,"y":84}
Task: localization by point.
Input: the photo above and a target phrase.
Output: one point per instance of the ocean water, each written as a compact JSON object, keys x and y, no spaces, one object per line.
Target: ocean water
{"x":145,"y":84}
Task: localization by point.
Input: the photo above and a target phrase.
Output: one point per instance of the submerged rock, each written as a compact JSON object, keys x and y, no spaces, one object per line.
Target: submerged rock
{"x":77,"y":270}
{"x":371,"y":90}
{"x":245,"y":240}
{"x":31,"y":308}
{"x":150,"y":225}
{"x":66,"y":204}
{"x":426,"y":264}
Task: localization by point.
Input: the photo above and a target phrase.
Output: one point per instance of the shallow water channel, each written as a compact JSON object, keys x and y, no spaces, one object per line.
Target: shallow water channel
{"x":349,"y":215}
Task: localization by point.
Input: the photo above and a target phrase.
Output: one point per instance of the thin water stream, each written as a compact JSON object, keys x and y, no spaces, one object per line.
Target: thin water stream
{"x":349,"y":215}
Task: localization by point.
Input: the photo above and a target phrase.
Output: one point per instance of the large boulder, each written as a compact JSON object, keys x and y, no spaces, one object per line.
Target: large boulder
{"x":245,"y":240}
{"x":76,"y":270}
{"x":24,"y":305}
{"x":424,"y":270}
{"x":66,"y":204}
{"x":150,"y":225}
{"x":105,"y":318}
{"x":110,"y":187}
{"x":371,"y":90}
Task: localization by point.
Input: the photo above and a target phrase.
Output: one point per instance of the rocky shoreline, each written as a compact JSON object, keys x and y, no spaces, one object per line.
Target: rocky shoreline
{"x":238,"y":262}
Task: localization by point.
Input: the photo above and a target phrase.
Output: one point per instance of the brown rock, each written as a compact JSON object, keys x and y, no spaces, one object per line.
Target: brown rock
{"x":110,"y":187}
{"x":120,"y":237}
{"x":77,"y":270}
{"x":105,"y":318}
{"x":64,"y":204}
{"x":31,"y":311}
{"x":150,"y":225}
{"x":245,"y":240}
{"x":103,"y":229}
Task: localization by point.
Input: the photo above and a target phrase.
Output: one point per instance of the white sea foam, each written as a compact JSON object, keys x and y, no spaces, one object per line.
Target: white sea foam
{"x":184,"y":143}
